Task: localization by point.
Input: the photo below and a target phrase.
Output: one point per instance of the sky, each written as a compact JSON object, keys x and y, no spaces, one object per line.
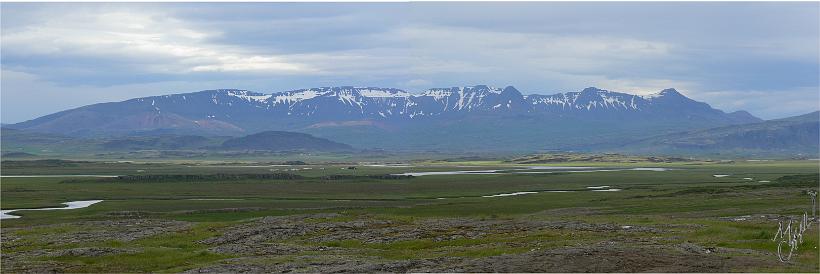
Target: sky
{"x":754,"y":56}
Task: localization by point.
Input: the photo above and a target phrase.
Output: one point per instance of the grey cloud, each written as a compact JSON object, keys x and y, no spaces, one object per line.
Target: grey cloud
{"x":767,"y":49}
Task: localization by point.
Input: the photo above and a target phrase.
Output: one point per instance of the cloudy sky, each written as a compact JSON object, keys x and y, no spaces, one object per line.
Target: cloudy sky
{"x":760,"y":57}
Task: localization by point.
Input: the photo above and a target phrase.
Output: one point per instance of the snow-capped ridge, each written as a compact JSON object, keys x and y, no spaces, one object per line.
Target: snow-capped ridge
{"x":296,"y":95}
{"x":663,"y":93}
{"x":391,"y":103}
{"x":218,"y":111}
{"x":594,"y":90}
{"x":248,"y":95}
{"x":385,"y":93}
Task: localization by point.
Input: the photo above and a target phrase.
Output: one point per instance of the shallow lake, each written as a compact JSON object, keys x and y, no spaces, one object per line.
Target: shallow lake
{"x":50,"y":176}
{"x":6,"y":214}
{"x":534,"y":170}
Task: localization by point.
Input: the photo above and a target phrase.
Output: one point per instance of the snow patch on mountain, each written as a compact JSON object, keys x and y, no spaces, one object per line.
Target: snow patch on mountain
{"x":387,"y":93}
{"x":437,"y":93}
{"x":662,"y":93}
{"x":587,"y":100}
{"x":297,"y":95}
{"x":249,"y":96}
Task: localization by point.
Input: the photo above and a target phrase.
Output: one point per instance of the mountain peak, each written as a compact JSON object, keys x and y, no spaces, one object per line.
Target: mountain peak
{"x":224,"y":91}
{"x":511,"y":90}
{"x":592,"y":90}
{"x":670,"y":91}
{"x":742,"y":115}
{"x":482,"y":88}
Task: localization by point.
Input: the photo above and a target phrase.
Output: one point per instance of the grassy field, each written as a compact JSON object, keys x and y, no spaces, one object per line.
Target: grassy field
{"x":334,"y":218}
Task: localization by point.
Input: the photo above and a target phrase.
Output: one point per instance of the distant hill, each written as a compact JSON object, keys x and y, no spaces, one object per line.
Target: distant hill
{"x":11,"y":135}
{"x":161,"y":142}
{"x":21,"y":143}
{"x":7,"y":155}
{"x":283,"y":141}
{"x":798,"y":135}
{"x":39,"y":143}
{"x":26,"y":141}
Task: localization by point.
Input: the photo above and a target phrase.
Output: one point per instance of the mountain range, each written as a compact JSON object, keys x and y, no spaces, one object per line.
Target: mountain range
{"x":457,"y":118}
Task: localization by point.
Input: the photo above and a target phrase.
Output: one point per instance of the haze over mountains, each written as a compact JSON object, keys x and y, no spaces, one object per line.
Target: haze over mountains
{"x":459,"y":118}
{"x":789,"y":136}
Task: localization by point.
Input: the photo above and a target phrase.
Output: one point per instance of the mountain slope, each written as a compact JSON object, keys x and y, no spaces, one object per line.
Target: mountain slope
{"x":283,"y":141}
{"x":369,"y":117}
{"x":788,"y":136}
{"x":19,"y":143}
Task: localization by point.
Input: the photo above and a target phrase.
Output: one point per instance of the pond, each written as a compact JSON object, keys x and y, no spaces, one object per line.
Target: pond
{"x":6,"y":214}
{"x":533,"y":170}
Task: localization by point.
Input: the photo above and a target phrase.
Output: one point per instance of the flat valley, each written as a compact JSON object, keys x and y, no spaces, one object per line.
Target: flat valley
{"x":502,"y":215}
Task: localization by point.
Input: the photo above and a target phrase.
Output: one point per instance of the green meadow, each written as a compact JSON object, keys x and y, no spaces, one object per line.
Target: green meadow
{"x":351,"y":217}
